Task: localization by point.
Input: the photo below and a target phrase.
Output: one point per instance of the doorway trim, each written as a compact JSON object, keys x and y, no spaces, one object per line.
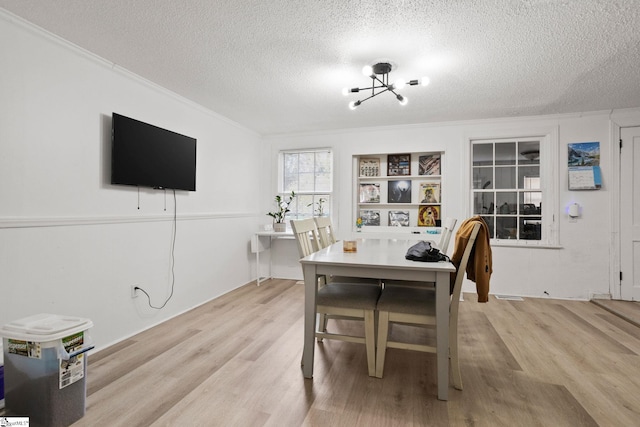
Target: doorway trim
{"x":617,"y":120}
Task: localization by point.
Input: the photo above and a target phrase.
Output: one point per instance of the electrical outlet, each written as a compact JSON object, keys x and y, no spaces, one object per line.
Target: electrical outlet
{"x":134,"y":291}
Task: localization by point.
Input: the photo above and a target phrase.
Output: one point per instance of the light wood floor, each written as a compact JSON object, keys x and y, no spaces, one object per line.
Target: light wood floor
{"x":628,"y":310}
{"x":236,"y":362}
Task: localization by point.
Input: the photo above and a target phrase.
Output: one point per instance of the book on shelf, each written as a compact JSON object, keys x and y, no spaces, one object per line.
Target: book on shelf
{"x":398,"y":164}
{"x":429,"y":164}
{"x":430,"y":192}
{"x":370,"y":193}
{"x":370,"y":217}
{"x":369,"y":167}
{"x":429,"y":216}
{"x":399,"y":218}
{"x":399,"y":191}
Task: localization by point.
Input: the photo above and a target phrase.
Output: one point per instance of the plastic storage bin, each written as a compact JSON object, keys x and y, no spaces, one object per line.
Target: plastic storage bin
{"x":45,"y":368}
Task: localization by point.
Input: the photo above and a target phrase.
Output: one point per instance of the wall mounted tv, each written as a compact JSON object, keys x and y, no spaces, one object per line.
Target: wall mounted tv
{"x":148,"y":156}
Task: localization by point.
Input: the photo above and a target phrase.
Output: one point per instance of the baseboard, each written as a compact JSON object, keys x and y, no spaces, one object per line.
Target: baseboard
{"x":593,"y":295}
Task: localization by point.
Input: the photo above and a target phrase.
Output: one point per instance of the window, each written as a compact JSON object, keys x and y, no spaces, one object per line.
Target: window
{"x":510,"y":189}
{"x":309,"y":174}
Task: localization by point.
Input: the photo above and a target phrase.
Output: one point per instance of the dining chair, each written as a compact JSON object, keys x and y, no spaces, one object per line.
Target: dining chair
{"x":352,"y":301}
{"x":416,"y":306}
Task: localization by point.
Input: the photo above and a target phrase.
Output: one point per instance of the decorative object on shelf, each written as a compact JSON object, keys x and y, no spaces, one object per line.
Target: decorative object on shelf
{"x":398,"y":164}
{"x":429,"y":192}
{"x":399,"y":218}
{"x":370,"y":193}
{"x":429,"y":164}
{"x":429,"y":216}
{"x":370,"y":217}
{"x":399,"y":191}
{"x":279,"y":224}
{"x":379,"y":74}
{"x":359,"y":223}
{"x":319,"y":206}
{"x":369,"y":167}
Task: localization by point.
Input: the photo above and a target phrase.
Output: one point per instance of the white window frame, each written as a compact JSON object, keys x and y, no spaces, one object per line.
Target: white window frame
{"x":549,"y":186}
{"x":306,"y":212}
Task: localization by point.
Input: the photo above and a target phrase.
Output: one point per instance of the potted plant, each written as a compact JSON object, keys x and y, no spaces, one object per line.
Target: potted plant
{"x":319,"y":209}
{"x":279,"y":215}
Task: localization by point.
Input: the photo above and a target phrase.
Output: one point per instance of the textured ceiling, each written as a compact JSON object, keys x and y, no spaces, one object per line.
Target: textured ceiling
{"x":278,"y":66}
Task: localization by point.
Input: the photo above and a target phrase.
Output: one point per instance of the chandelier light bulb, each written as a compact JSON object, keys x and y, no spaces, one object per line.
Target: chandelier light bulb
{"x":367,"y":70}
{"x":425,"y":81}
{"x":354,"y":104}
{"x":345,"y":91}
{"x":399,"y":84}
{"x":402,"y":99}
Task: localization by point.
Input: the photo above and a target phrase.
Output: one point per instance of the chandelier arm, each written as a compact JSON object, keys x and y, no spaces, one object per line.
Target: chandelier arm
{"x":392,"y":91}
{"x":371,"y":87}
{"x":382,"y":82}
{"x":375,"y":94}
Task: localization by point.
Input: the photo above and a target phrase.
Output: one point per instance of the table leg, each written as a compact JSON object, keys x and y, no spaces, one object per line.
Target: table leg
{"x":442,"y":333}
{"x":258,"y":263}
{"x":310,"y":293}
{"x":270,"y":256}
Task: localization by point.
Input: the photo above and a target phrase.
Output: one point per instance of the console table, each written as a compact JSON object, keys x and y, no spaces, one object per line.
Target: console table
{"x":262,"y":241}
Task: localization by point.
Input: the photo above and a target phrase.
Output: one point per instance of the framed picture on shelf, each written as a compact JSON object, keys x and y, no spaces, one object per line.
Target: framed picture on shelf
{"x":399,"y":191}
{"x":398,"y":218}
{"x":429,"y":216}
{"x":369,"y":167}
{"x":399,"y":164}
{"x":370,"y":217}
{"x":370,"y":193}
{"x":430,"y":192}
{"x":429,"y":164}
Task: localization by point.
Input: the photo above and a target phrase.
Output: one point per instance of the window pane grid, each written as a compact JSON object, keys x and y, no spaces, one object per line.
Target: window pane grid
{"x":308,"y":173}
{"x":507,"y":188}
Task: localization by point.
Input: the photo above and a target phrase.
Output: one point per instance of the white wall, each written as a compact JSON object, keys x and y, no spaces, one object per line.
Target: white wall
{"x":71,"y":243}
{"x":578,"y":269}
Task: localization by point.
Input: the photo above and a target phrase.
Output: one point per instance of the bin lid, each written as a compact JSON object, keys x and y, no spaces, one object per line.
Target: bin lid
{"x":44,"y":327}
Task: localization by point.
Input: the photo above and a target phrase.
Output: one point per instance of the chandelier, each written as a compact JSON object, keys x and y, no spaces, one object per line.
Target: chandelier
{"x":379,"y":74}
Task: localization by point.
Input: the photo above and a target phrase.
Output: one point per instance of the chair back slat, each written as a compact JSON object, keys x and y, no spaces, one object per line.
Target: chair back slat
{"x":447,"y":230}
{"x":325,"y":231}
{"x":306,"y":236}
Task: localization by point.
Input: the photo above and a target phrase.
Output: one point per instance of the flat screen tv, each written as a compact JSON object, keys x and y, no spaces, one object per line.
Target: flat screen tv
{"x":148,"y":156}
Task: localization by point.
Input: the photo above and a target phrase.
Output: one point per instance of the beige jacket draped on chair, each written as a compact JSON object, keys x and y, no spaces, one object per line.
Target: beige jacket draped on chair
{"x":480,"y":264}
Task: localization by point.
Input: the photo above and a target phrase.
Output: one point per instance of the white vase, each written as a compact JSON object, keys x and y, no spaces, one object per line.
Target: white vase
{"x":280,"y":227}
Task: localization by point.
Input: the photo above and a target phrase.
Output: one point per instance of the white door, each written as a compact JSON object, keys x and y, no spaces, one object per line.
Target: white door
{"x":630,"y":214}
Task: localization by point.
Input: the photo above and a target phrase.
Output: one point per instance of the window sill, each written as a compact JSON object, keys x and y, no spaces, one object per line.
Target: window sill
{"x":506,"y":243}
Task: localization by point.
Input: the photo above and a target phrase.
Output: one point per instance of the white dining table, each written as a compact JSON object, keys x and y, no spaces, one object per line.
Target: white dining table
{"x":380,"y":259}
